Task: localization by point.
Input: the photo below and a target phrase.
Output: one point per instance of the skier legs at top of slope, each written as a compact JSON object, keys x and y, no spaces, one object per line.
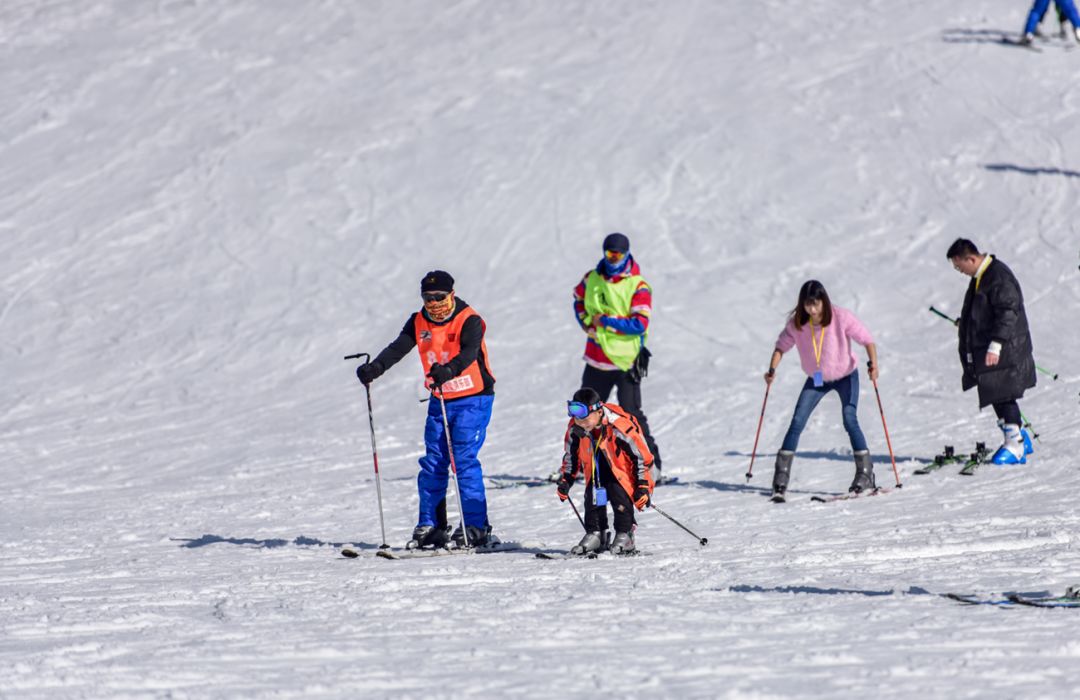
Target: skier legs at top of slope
{"x":607,"y":444}
{"x":449,"y":336}
{"x":1038,"y":10}
{"x":823,"y":334}
{"x":613,"y":305}
{"x":995,"y":344}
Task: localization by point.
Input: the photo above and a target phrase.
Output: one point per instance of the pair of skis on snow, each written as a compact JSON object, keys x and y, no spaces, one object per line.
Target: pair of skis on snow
{"x":976,"y":459}
{"x":1071,"y":599}
{"x":850,"y":495}
{"x":397,"y":553}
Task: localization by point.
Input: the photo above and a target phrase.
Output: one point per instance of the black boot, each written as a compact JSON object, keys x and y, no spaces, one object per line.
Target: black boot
{"x":781,"y":474}
{"x":864,"y":473}
{"x":429,"y":536}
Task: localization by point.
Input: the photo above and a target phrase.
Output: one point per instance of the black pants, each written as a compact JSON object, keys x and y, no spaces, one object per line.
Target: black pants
{"x":1009,"y":411}
{"x":629,"y":392}
{"x":596,"y":519}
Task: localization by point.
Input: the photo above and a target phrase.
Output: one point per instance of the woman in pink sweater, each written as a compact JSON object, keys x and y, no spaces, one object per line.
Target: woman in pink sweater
{"x":823,"y":334}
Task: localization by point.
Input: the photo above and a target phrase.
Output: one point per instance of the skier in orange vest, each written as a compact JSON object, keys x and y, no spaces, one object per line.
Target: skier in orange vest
{"x":607,"y":444}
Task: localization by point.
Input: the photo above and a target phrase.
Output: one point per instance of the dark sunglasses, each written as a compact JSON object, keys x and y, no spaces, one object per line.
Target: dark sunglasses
{"x":434,"y":296}
{"x":581,"y":411}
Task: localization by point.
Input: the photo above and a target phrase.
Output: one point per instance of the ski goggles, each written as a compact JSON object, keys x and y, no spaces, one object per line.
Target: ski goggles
{"x":430,"y":297}
{"x":614,"y":256}
{"x":581,"y":411}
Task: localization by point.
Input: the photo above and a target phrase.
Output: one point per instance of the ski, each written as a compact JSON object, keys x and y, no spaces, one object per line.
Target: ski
{"x":850,"y":495}
{"x":1064,"y":601}
{"x":510,"y":482}
{"x":1009,"y":41}
{"x":978,"y":458}
{"x":779,"y":498}
{"x":402,"y":553}
{"x":948,"y":457}
{"x":590,"y":555}
{"x":1035,"y":600}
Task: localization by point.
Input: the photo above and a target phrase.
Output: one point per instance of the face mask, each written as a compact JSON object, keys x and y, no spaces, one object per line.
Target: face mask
{"x":438,"y":309}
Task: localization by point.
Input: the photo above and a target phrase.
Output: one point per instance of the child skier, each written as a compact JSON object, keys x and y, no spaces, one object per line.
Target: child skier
{"x":607,"y":444}
{"x":823,"y":334}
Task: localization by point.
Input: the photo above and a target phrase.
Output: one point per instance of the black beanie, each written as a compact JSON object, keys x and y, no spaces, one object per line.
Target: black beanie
{"x":437,"y":281}
{"x":617,"y":241}
{"x":587,"y":396}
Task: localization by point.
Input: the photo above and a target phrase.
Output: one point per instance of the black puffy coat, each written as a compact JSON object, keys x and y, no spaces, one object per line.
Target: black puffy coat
{"x":995,"y":312}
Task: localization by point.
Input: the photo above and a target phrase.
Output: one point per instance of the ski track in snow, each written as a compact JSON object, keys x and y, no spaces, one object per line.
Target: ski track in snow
{"x":203,"y":208}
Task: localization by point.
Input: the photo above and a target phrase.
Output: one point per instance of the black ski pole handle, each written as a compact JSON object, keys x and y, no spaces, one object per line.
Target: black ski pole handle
{"x":359,"y":355}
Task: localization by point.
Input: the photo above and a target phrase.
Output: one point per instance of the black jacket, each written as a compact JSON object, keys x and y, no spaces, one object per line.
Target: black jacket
{"x":996,"y":313}
{"x":472,"y":333}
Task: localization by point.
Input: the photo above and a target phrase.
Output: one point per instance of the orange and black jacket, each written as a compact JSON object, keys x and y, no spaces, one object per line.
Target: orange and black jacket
{"x":472,"y":346}
{"x":618,"y":441}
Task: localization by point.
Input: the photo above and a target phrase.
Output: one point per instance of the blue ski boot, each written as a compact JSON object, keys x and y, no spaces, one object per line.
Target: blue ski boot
{"x":1012,"y":450}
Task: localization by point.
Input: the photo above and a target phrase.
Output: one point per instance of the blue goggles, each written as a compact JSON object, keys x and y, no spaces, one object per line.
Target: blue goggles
{"x":581,"y":411}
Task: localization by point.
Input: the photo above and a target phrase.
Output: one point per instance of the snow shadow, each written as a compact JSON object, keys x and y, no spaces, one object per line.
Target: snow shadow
{"x":814,"y":590}
{"x":300,"y":541}
{"x":1010,"y":168}
{"x":959,"y":35}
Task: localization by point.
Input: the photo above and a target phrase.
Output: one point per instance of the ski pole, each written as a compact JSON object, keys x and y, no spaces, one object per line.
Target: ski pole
{"x":571,"y":502}
{"x":374,"y":451}
{"x":453,"y":465}
{"x":1027,"y":424}
{"x":956,"y":322}
{"x":1047,"y":372}
{"x":701,"y":540}
{"x":750,"y":471}
{"x":888,"y":442}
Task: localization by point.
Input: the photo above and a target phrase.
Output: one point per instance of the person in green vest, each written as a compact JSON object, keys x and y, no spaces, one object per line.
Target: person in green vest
{"x":613,"y":303}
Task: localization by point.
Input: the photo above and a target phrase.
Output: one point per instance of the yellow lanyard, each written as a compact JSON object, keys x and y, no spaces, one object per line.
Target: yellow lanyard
{"x":819,"y":345}
{"x":978,"y":276}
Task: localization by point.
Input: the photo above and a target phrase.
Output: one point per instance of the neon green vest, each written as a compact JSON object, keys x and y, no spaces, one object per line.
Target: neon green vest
{"x":604,"y":298}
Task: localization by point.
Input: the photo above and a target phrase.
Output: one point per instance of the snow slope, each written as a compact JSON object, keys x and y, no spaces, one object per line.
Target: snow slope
{"x":204,"y":206}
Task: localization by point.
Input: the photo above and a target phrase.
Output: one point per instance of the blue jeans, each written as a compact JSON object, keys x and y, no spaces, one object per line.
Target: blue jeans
{"x":1040,"y":7}
{"x":848,"y":389}
{"x":468,"y":418}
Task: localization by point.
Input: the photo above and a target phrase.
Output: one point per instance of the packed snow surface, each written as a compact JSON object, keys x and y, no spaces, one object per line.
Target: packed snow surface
{"x":204,"y":206}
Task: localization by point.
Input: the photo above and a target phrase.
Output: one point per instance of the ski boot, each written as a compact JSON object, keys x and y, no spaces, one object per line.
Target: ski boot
{"x":432,"y":536}
{"x":623,"y":543}
{"x":864,"y":473}
{"x":591,"y":543}
{"x":1012,"y":447}
{"x":478,"y":537}
{"x":1028,"y":447}
{"x":781,"y":474}
{"x":1026,"y":39}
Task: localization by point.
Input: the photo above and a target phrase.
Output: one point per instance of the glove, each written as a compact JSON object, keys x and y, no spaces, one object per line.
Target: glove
{"x":369,"y":372}
{"x":564,"y":488}
{"x":641,"y":496}
{"x":576,"y":431}
{"x":440,"y":374}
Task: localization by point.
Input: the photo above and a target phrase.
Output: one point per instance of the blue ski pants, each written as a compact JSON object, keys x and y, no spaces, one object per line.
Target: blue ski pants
{"x":848,"y":389}
{"x":1040,"y":7}
{"x":468,"y":418}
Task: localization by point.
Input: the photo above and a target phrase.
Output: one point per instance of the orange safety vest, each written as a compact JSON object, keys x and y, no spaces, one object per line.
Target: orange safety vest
{"x":616,"y":423}
{"x":440,"y":343}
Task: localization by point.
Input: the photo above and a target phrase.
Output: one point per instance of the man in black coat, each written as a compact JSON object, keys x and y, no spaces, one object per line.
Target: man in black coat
{"x":995,"y":344}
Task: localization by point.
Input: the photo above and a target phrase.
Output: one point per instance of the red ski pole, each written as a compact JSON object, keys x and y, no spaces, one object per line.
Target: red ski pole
{"x":750,"y":471}
{"x":884,"y":425}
